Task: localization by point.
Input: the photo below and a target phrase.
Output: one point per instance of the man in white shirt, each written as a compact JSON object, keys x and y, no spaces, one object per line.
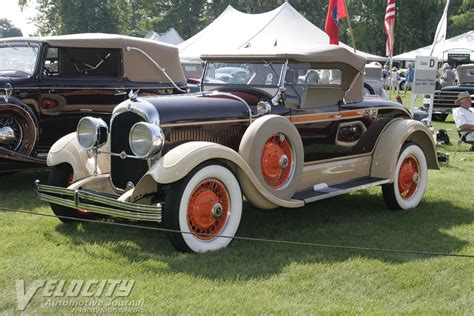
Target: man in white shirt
{"x":464,"y":116}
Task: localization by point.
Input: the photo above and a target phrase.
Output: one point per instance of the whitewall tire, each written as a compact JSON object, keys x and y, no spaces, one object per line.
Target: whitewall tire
{"x":206,"y":204}
{"x":410,"y":179}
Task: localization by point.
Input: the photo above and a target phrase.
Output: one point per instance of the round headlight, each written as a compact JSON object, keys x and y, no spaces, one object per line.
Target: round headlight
{"x":91,"y":132}
{"x":146,"y":140}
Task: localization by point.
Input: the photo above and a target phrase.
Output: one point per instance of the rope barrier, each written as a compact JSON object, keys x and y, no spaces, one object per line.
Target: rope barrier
{"x":274,"y":241}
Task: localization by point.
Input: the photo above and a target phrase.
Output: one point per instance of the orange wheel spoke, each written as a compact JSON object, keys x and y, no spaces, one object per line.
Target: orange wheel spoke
{"x":276,"y":161}
{"x":208,"y":209}
{"x":408,"y":177}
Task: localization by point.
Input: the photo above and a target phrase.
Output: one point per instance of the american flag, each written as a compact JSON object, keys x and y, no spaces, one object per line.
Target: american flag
{"x":389,"y":26}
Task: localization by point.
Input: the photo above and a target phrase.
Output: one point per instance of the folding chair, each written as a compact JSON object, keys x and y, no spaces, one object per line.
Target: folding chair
{"x":462,"y":139}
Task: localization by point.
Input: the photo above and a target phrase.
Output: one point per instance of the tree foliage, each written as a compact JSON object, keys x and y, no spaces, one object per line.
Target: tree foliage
{"x":416,"y":21}
{"x":8,"y":30}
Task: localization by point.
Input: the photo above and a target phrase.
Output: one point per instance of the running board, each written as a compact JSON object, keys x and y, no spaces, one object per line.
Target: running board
{"x":310,"y":195}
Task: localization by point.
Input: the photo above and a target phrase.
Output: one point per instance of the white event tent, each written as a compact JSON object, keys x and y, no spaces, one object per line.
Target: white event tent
{"x":171,"y":37}
{"x":282,"y":29}
{"x":463,"y":43}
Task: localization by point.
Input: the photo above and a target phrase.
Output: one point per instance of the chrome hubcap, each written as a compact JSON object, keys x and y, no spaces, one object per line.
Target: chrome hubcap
{"x":11,"y":132}
{"x":7,"y":135}
{"x":217,"y":210}
{"x":283,"y":161}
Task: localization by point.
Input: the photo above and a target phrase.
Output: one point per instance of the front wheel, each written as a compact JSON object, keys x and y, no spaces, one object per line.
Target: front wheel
{"x":63,"y":176}
{"x":206,"y":204}
{"x":410,"y":179}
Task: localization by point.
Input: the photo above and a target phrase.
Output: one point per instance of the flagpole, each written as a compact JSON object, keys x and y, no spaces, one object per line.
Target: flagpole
{"x":350,"y":27}
{"x":392,"y":35}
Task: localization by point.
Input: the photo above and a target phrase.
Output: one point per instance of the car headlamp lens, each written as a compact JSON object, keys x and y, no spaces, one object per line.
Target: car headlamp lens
{"x":91,"y":132}
{"x":146,"y":140}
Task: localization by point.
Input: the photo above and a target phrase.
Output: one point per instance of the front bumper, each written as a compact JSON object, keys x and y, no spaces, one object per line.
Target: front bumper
{"x":105,"y":204}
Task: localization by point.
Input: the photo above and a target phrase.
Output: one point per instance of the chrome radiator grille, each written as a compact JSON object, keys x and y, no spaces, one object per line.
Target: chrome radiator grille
{"x":446,"y":99}
{"x":129,"y":169}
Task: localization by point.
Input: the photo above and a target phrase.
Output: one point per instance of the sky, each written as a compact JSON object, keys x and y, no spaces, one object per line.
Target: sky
{"x":20,"y":19}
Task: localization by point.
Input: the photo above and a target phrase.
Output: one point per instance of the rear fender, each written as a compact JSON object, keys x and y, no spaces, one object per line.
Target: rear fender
{"x":390,"y":143}
{"x":179,"y":161}
{"x":67,"y":150}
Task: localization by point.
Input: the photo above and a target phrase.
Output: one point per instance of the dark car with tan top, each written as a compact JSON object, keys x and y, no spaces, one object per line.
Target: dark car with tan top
{"x":285,"y":130}
{"x":47,"y":84}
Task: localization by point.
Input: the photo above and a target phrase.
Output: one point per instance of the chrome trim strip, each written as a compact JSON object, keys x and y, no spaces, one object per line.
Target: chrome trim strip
{"x":95,"y":88}
{"x":204,"y":122}
{"x":343,"y":158}
{"x":78,"y":198}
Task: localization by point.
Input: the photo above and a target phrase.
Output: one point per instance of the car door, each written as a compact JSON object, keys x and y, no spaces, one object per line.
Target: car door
{"x":316,"y":114}
{"x":78,"y":82}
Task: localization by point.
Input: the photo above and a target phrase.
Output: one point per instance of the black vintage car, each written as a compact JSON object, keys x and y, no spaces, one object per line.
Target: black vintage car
{"x":444,"y":99}
{"x":283,"y":129}
{"x":47,"y":84}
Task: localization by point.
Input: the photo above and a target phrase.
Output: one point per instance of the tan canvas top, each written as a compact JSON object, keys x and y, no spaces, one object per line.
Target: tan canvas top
{"x":326,"y":56}
{"x":137,"y":67}
{"x":320,"y":54}
{"x":466,"y":73}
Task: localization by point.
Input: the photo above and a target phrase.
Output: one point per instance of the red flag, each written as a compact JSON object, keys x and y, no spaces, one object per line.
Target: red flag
{"x":389,"y":26}
{"x":336,"y":11}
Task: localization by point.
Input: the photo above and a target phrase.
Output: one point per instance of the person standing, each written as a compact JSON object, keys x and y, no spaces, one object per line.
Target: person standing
{"x":395,"y":80}
{"x":410,"y":75}
{"x":447,"y":77}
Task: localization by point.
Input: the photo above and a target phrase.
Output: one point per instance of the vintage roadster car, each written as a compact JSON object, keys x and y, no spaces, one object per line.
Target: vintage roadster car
{"x":48,"y":84}
{"x":295,"y":130}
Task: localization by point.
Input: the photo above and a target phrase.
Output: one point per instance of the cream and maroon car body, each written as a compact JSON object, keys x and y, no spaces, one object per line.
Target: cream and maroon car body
{"x":290,"y":130}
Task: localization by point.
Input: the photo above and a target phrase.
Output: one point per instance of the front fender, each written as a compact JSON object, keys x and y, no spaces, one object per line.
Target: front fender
{"x":67,"y":150}
{"x":390,"y":143}
{"x":179,"y":161}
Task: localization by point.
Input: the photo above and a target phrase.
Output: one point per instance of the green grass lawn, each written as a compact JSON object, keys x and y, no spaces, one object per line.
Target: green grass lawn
{"x":261,"y":278}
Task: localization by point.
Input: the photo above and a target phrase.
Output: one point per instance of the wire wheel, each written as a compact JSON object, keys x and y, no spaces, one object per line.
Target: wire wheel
{"x":23,"y":125}
{"x":7,"y":120}
{"x":208,"y":209}
{"x":408,"y":177}
{"x":277,"y":161}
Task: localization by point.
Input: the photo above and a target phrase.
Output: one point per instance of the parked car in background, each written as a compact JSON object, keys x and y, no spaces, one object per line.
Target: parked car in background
{"x":373,"y":82}
{"x":47,"y":84}
{"x":444,"y":99}
{"x":291,"y":129}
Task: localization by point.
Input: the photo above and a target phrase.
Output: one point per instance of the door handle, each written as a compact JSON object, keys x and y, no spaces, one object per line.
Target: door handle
{"x":120,"y":92}
{"x":336,"y":116}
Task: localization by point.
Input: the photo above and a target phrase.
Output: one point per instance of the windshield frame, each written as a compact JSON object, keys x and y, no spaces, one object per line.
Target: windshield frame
{"x":36,"y":47}
{"x":205,"y":86}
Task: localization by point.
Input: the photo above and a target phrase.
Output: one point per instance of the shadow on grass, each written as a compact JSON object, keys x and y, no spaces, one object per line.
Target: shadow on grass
{"x":356,"y":220}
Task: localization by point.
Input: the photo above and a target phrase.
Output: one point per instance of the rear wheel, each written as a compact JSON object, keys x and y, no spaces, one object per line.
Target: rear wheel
{"x":206,"y":204}
{"x":63,"y":176}
{"x":410,"y":179}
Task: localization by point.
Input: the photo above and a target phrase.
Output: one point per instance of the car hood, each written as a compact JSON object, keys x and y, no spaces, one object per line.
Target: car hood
{"x":192,"y":108}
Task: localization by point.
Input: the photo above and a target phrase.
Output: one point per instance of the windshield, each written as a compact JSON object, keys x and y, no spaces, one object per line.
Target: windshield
{"x":18,"y":59}
{"x":260,"y":74}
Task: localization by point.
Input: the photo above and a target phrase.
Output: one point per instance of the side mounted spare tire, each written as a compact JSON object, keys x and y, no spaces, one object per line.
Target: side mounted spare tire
{"x":23,"y":124}
{"x":273,"y":148}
